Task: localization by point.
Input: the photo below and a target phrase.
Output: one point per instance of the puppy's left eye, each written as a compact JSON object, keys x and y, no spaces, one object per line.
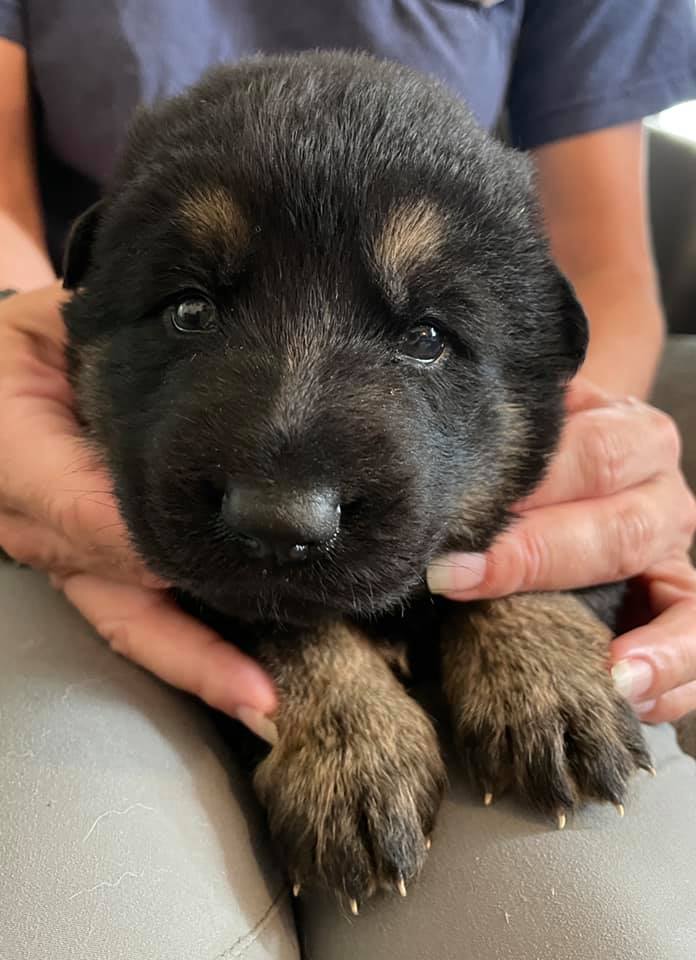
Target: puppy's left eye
{"x":424,"y":343}
{"x":193,"y":315}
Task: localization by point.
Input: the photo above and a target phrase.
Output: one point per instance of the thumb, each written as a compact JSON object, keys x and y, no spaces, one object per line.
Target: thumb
{"x":562,"y":547}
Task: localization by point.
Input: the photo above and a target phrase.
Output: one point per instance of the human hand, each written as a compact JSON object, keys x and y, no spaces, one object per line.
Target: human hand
{"x":57,"y":513}
{"x":614,"y":506}
{"x":654,"y":664}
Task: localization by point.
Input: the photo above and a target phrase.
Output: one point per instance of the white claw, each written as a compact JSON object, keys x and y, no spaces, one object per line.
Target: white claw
{"x":428,"y":843}
{"x":296,"y":887}
{"x":401,"y":887}
{"x":354,"y":907}
{"x":487,"y":799}
{"x":561,"y":821}
{"x":620,"y":809}
{"x":652,"y":771}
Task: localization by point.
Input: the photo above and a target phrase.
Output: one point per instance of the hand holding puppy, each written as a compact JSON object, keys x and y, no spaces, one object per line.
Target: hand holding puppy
{"x":57,"y":513}
{"x":614,"y":506}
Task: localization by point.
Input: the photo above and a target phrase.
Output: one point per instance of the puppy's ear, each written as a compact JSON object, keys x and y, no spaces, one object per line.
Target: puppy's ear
{"x":575,"y":329}
{"x":78,"y":246}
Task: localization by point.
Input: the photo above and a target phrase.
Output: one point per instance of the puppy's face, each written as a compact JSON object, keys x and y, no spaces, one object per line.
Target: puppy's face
{"x":317,"y":336}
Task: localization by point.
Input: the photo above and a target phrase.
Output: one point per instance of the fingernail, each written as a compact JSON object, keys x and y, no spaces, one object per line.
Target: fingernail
{"x":632,"y":678}
{"x":255,"y":721}
{"x":456,"y":572}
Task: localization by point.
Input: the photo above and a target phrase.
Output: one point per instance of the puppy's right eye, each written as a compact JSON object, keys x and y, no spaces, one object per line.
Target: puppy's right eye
{"x":192,"y":315}
{"x":424,"y":343}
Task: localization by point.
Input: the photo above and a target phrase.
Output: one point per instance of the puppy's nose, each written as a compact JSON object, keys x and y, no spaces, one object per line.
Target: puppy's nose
{"x":267,"y":522}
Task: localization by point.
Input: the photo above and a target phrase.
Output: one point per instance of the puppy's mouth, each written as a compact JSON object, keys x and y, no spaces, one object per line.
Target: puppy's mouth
{"x":360,"y":570}
{"x":267,"y":590}
{"x":287,"y":552}
{"x":268,"y":604}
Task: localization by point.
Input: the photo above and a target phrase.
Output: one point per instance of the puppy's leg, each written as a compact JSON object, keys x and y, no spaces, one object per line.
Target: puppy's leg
{"x":533,"y":702}
{"x":353,"y":784}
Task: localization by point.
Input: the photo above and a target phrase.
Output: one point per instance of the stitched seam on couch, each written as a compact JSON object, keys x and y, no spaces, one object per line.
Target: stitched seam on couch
{"x":240,"y":946}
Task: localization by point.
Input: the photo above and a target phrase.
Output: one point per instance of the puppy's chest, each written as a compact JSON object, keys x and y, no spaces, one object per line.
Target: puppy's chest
{"x":407,"y":638}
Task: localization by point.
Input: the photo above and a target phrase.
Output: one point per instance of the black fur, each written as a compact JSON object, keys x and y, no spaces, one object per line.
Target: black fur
{"x":288,"y":170}
{"x":316,"y":150}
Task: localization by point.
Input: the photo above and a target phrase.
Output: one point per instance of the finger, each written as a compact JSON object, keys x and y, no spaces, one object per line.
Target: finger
{"x":671,"y":706}
{"x":37,"y":401}
{"x":670,"y":582}
{"x":582,"y":394}
{"x":36,"y":318}
{"x":58,"y":482}
{"x":37,"y":311}
{"x":147,"y":627}
{"x":608,"y":449}
{"x":573,"y":545}
{"x":659,"y":657}
{"x":35,"y":545}
{"x":61,"y":485}
{"x":658,"y":588}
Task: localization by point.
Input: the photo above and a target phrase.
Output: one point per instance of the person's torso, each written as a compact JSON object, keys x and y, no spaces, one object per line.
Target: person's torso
{"x":93,"y":63}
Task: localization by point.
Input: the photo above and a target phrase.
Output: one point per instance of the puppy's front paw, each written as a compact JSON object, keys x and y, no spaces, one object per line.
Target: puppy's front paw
{"x":351,"y":791}
{"x":533,"y":705}
{"x":565,"y":745}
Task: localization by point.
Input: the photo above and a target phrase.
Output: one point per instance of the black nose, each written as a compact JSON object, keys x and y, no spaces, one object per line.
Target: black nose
{"x":285,"y":524}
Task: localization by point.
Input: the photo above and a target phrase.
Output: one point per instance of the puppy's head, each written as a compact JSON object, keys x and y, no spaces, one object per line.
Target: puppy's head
{"x":317,"y":335}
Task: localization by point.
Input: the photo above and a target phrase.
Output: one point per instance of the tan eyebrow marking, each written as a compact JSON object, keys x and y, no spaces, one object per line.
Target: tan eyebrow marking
{"x":212,"y":216}
{"x":412,"y":234}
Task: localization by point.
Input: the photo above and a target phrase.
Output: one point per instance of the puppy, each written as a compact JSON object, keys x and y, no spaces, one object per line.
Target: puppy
{"x":318,"y":338}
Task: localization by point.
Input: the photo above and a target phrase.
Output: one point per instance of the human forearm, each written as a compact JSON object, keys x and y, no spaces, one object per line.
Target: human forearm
{"x":626,"y":329}
{"x":593,"y":193}
{"x":24,"y":263}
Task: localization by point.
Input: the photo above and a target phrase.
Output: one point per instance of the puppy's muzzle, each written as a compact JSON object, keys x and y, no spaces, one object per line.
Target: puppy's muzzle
{"x":287,"y":525}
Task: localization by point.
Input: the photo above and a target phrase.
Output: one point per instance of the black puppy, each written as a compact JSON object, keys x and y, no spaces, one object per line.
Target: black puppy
{"x":318,"y":338}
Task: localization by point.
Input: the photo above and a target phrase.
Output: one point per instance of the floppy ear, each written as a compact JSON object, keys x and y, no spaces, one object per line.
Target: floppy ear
{"x":78,"y":246}
{"x":575,"y":329}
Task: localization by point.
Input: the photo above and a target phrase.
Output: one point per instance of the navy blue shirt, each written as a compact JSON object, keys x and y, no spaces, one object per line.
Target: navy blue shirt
{"x":561,"y":67}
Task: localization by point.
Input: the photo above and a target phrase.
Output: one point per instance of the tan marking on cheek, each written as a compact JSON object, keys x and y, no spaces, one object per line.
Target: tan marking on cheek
{"x":480,"y":502}
{"x":515,"y":429}
{"x":413,"y":234}
{"x":211,"y":216}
